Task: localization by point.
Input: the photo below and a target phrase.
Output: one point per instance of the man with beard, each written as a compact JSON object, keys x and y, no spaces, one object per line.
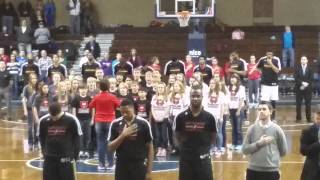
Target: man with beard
{"x":195,"y":132}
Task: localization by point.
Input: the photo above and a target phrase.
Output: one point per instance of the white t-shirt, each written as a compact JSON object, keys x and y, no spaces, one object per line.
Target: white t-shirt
{"x":159,"y":111}
{"x":236,"y":97}
{"x":177,"y":105}
{"x":214,"y":104}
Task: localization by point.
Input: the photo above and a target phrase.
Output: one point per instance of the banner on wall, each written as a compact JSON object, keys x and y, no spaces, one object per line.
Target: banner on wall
{"x":196,"y":45}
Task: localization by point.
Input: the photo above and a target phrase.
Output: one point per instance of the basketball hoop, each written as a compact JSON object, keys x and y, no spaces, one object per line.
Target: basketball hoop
{"x":184,"y":17}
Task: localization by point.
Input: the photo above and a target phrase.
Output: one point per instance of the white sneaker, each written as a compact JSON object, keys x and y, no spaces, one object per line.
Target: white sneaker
{"x":158,"y":152}
{"x":164,"y":152}
{"x":101,"y":168}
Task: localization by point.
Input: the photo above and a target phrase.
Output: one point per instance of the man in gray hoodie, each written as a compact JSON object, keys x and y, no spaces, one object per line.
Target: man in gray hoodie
{"x":266,"y":143}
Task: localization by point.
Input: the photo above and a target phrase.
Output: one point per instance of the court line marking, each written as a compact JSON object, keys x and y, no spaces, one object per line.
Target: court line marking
{"x":20,"y":129}
{"x":94,"y":173}
{"x":159,"y":171}
{"x":14,"y":122}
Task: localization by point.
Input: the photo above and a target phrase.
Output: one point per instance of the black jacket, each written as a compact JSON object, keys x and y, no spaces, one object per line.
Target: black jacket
{"x":25,"y":37}
{"x":95,"y":49}
{"x":299,"y":77}
{"x":310,"y":147}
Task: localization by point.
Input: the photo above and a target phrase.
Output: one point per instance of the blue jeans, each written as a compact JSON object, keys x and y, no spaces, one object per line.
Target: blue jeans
{"x":236,"y":123}
{"x":15,"y":86}
{"x":86,"y":137}
{"x":102,"y":130}
{"x":219,"y":140}
{"x":161,"y":134}
{"x":253,"y":86}
{"x":32,"y":130}
{"x":288,"y":57}
{"x":224,"y":132}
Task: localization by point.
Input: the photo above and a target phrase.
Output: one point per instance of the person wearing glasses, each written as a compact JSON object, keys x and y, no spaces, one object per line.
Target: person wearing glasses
{"x":310,"y":147}
{"x":265,"y":143}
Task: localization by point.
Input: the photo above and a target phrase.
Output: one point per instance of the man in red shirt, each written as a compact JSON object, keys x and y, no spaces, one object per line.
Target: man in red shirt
{"x":254,"y":75}
{"x":216,"y":69}
{"x":189,"y":66}
{"x":103,"y":108}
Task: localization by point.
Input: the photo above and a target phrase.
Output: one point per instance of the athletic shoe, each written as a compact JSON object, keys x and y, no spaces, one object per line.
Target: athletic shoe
{"x":238,"y":148}
{"x":163,"y":152}
{"x":101,"y":168}
{"x":158,"y":152}
{"x":217,"y":154}
{"x":111,"y":167}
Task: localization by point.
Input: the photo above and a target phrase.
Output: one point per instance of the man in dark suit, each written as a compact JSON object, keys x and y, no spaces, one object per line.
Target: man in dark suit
{"x":93,"y":46}
{"x":310,"y":147}
{"x":303,"y":76}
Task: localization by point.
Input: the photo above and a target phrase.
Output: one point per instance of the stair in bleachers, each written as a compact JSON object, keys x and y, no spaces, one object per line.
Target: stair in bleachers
{"x":105,"y":42}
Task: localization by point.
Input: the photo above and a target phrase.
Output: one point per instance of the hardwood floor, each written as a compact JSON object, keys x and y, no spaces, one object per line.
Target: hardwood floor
{"x":230,"y":166}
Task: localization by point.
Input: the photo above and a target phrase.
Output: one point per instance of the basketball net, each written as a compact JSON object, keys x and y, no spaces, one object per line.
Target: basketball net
{"x":184,"y":17}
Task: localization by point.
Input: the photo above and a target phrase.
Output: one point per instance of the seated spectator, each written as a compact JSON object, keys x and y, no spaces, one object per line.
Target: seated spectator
{"x":154,"y":64}
{"x":93,"y":46}
{"x":42,"y":36}
{"x":238,"y":35}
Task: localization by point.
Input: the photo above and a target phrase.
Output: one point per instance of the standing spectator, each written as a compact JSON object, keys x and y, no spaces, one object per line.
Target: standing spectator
{"x":25,"y":11}
{"x":195,"y":132}
{"x":50,"y":13}
{"x":29,"y":68}
{"x":288,"y":45}
{"x":216,"y":69}
{"x":106,"y":65}
{"x":74,"y":10}
{"x":42,"y":37}
{"x":134,"y":59}
{"x":174,"y":66}
{"x":237,"y":96}
{"x":21,"y":59}
{"x":62,"y":58}
{"x":14,"y":69}
{"x":103,"y":113}
{"x":254,"y":76}
{"x":124,"y":68}
{"x":8,"y":16}
{"x":154,"y":65}
{"x":234,"y":66}
{"x":57,"y":67}
{"x":204,"y":69}
{"x":237,"y":34}
{"x":41,"y":102}
{"x":84,"y":58}
{"x":89,"y":68}
{"x":5,"y":92}
{"x":27,"y":101}
{"x":93,"y":46}
{"x":189,"y":66}
{"x":87,"y":16}
{"x":303,"y":76}
{"x":44,"y":63}
{"x":265,"y":143}
{"x":3,"y":56}
{"x":24,"y":37}
{"x":80,"y":108}
{"x":270,"y":66}
{"x":310,"y":147}
{"x":115,"y":62}
{"x":59,"y":134}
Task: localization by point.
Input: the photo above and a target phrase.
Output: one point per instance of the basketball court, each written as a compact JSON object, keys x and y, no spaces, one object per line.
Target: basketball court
{"x":16,"y":164}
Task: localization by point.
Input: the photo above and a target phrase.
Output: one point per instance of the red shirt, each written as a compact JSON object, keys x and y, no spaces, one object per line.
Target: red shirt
{"x":105,"y":105}
{"x":5,"y":58}
{"x":255,"y":74}
{"x":189,"y":72}
{"x":217,"y":70}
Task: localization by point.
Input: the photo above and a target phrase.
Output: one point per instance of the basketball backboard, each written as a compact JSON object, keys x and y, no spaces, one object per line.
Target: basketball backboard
{"x":197,"y":8}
